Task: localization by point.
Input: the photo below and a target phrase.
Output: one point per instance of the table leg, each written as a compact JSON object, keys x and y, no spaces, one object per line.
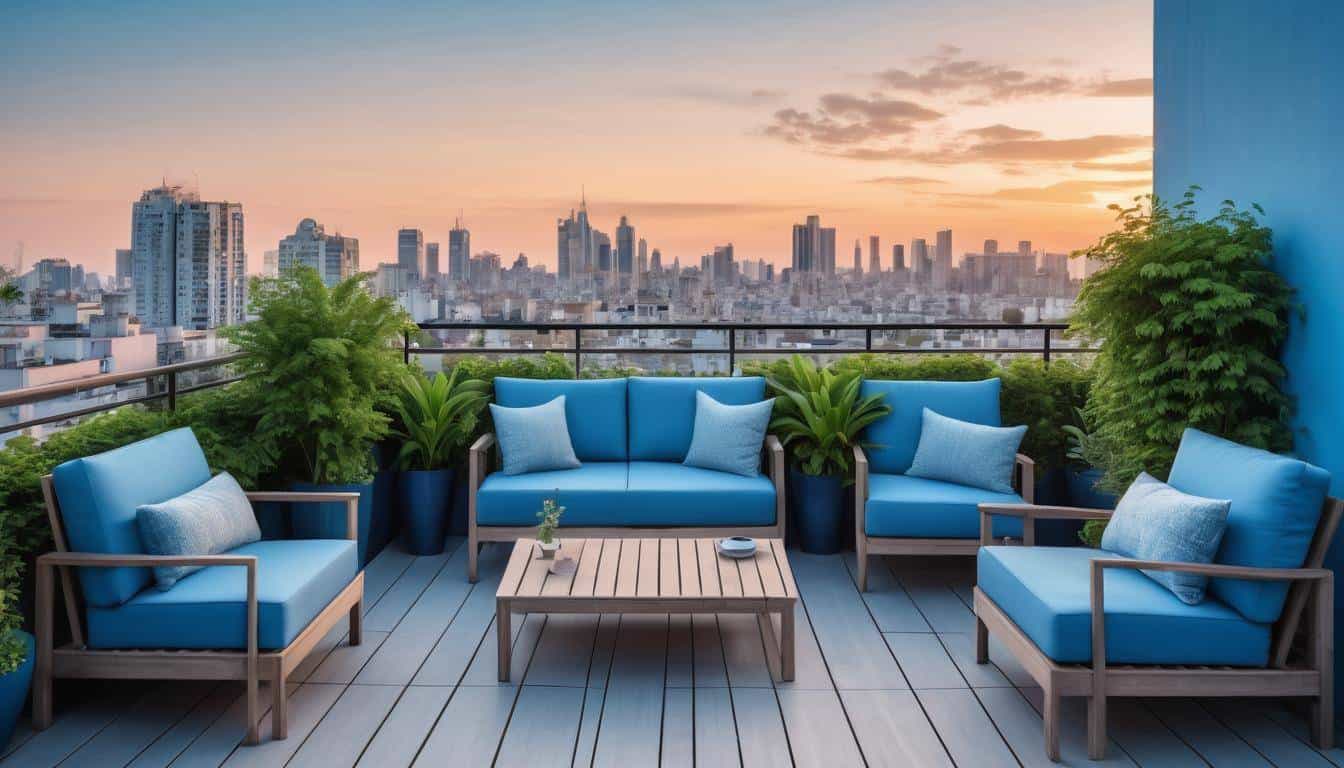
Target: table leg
{"x":505,"y":637}
{"x":786,"y":644}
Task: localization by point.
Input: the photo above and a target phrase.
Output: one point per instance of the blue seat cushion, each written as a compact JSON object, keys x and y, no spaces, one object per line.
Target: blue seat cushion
{"x":670,"y":494}
{"x":902,"y":506}
{"x":593,"y":494}
{"x":99,"y":496}
{"x":895,"y":436}
{"x":1276,"y":504}
{"x":662,"y":410}
{"x":208,"y":609}
{"x":594,"y":411}
{"x":1046,"y":591}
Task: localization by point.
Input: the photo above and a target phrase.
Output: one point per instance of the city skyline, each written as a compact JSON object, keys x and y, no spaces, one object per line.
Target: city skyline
{"x":990,"y":130}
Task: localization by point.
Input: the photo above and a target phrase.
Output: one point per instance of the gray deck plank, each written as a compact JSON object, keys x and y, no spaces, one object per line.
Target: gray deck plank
{"x":1210,"y":738}
{"x":744,"y":651}
{"x":961,"y":648}
{"x":761,"y":738}
{"x":715,"y":731}
{"x":171,"y":742}
{"x":543,"y":729}
{"x":631,"y":727}
{"x":1268,"y":737}
{"x":924,"y":660}
{"x":966,"y":730}
{"x":592,"y":718}
{"x":892,"y":730}
{"x":680,"y":652}
{"x":678,"y":744}
{"x":1073,"y":729}
{"x":710,"y":671}
{"x":406,"y":727}
{"x":340,"y":737}
{"x":76,"y":725}
{"x":936,"y":601}
{"x":452,"y":653}
{"x":564,"y":651}
{"x":140,"y":725}
{"x":604,"y":648}
{"x":214,"y":745}
{"x":819,"y":733}
{"x":307,"y":707}
{"x":469,"y":731}
{"x":343,"y":664}
{"x":1297,"y":725}
{"x":855,"y":653}
{"x":1146,"y":739}
{"x":810,"y":671}
{"x":887,"y":600}
{"x":484,"y":669}
{"x":387,"y":612}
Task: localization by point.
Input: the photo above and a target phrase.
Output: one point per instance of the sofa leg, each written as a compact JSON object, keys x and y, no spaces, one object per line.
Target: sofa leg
{"x":861,"y":557}
{"x":253,"y":736}
{"x":279,"y":708}
{"x":981,"y":642}
{"x":1051,"y":719}
{"x":1096,"y":727}
{"x":357,"y":622}
{"x":473,"y":552}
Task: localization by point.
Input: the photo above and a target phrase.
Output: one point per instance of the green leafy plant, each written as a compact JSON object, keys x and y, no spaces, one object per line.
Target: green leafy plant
{"x":1191,"y":318}
{"x":10,"y":293}
{"x":320,"y":357}
{"x":819,"y":416}
{"x":437,"y":418}
{"x":549,"y":519}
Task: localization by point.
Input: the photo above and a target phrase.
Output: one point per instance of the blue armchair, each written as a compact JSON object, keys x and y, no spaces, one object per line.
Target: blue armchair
{"x":896,"y":514}
{"x":1086,"y":622}
{"x":250,"y":614}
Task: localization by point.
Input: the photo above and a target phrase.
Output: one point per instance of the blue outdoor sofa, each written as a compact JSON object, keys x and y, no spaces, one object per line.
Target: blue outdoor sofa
{"x":631,"y":435}
{"x":1085,"y":622}
{"x":897,"y":514}
{"x":252,"y":613}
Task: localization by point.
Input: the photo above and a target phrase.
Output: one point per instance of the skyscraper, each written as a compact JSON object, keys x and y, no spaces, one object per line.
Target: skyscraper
{"x":656,"y":261}
{"x":721,"y":264}
{"x":411,"y":253}
{"x":574,"y":244}
{"x":459,"y":250}
{"x":858,"y":258}
{"x":602,"y":248}
{"x":125,"y":267}
{"x":431,"y":261}
{"x":828,"y":250}
{"x":942,"y":260}
{"x":333,"y":257}
{"x":188,"y":261}
{"x":1026,"y":263}
{"x":988,"y":265}
{"x":642,"y":257}
{"x":625,"y":247}
{"x":874,"y":254}
{"x":920,"y":264}
{"x":897,"y":258}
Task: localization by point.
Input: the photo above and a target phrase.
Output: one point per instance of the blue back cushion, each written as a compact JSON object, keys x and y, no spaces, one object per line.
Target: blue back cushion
{"x":897,"y":435}
{"x":662,"y":411}
{"x":1276,"y":503}
{"x":99,"y":496}
{"x":594,"y":409}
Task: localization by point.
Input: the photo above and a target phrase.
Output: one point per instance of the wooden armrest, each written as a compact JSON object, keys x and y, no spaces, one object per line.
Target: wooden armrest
{"x":349,"y":498}
{"x":774,"y":457}
{"x":1041,"y":512}
{"x":483,"y":443}
{"x":1024,"y":460}
{"x":1215,"y":570}
{"x":773,"y":445}
{"x":98,"y":560}
{"x":860,"y":458}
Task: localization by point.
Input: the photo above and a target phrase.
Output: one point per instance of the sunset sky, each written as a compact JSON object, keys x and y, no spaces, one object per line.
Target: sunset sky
{"x":705,"y":123}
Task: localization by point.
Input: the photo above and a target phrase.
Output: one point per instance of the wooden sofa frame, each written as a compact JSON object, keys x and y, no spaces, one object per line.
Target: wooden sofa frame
{"x":1310,"y":675}
{"x":478,"y":468}
{"x":1024,"y":472}
{"x":76,"y":660}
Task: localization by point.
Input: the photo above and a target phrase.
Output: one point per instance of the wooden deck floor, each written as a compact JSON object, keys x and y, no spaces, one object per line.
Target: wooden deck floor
{"x":886,"y":678}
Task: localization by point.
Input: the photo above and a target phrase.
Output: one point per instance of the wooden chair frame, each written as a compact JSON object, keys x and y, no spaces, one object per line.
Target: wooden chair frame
{"x":1024,"y":471}
{"x":1312,"y":675}
{"x":76,"y":660}
{"x":478,"y":468}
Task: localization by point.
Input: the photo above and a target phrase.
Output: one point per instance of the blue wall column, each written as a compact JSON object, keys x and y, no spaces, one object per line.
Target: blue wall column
{"x":1249,"y":105}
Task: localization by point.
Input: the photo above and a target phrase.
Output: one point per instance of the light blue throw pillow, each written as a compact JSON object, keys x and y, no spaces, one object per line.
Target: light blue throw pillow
{"x":534,"y":439}
{"x":966,"y":454}
{"x":212,"y":518}
{"x":728,"y":438}
{"x":1154,"y":521}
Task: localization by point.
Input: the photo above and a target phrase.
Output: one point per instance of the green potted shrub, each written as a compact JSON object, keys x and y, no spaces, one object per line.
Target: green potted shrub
{"x":16,"y":646}
{"x":318,"y":359}
{"x":437,"y":417}
{"x":818,"y":417}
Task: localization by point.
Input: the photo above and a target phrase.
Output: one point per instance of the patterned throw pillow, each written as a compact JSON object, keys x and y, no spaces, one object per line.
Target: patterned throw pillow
{"x":534,"y":439}
{"x":966,"y":454}
{"x":728,"y":438}
{"x":1154,"y":521}
{"x":212,"y":518}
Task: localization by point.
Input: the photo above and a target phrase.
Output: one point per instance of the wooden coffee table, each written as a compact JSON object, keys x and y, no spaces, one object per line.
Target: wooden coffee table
{"x":652,"y":576}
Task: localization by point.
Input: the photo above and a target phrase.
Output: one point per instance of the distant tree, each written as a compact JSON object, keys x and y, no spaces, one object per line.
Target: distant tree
{"x":10,"y":293}
{"x":1013,"y":315}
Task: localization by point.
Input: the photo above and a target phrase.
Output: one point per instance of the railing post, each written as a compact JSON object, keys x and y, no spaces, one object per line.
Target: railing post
{"x":172,"y":390}
{"x":406,"y":346}
{"x":732,"y":350}
{"x":1045,"y":350}
{"x":578,"y":356}
{"x":868,"y":339}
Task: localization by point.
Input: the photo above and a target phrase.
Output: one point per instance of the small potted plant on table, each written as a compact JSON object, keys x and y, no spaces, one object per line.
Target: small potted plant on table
{"x":549,"y":520}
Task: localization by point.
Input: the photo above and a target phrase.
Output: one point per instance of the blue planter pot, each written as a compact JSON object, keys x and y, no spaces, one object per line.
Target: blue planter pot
{"x":818,"y":512}
{"x":1083,"y":492}
{"x":426,"y":497}
{"x":457,"y":520}
{"x":273,"y":519}
{"x":14,"y":691}
{"x":327,"y":520}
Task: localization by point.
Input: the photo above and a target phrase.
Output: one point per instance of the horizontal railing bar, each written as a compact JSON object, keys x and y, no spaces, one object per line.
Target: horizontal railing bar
{"x":44,"y":392}
{"x":101,"y":407}
{"x":744,"y":351}
{"x":725,"y":327}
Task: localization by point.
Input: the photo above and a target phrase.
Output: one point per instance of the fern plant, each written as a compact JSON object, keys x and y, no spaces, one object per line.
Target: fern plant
{"x":819,"y":416}
{"x":438,"y":417}
{"x":1191,"y":317}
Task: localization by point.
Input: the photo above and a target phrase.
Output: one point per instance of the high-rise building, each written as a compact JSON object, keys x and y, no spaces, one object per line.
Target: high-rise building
{"x":270,"y":263}
{"x":898,"y":258}
{"x":602,"y":249}
{"x":988,"y":265}
{"x":431,"y":261}
{"x":828,"y":250}
{"x":411,"y":253}
{"x":721,"y":265}
{"x":656,"y":261}
{"x":811,"y":246}
{"x":188,"y":261}
{"x":334,"y":257}
{"x":459,"y":250}
{"x":920,"y":264}
{"x":625,"y":247}
{"x":874,"y":254}
{"x":642,"y":257}
{"x":858,"y":258}
{"x":125,"y":267}
{"x":574,"y":244}
{"x":942,"y":260}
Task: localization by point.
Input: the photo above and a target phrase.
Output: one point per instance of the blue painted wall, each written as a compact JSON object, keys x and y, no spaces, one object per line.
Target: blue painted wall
{"x":1249,"y":104}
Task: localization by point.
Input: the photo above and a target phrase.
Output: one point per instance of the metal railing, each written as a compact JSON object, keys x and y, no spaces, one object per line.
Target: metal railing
{"x":1046,"y":350}
{"x":170,"y":390}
